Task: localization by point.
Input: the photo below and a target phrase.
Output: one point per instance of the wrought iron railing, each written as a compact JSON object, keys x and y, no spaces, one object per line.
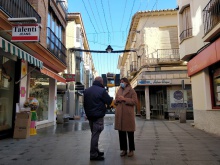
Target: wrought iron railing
{"x":185,"y":34}
{"x":19,"y":9}
{"x":211,"y":15}
{"x":133,"y":66}
{"x":163,"y":55}
{"x":55,"y":46}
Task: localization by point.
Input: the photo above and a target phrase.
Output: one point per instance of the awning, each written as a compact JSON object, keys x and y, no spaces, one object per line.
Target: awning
{"x":11,"y":48}
{"x":52,"y":74}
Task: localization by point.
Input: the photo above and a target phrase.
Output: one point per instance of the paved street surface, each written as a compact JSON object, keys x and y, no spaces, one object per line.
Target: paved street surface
{"x":158,"y":142}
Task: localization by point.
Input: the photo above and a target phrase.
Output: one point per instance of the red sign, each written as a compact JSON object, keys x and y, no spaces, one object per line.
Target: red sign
{"x":69,"y":77}
{"x":205,"y":58}
{"x":25,"y":33}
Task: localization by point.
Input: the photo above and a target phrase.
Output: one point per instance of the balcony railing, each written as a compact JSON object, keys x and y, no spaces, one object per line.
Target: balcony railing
{"x":185,"y":34}
{"x":18,"y":9}
{"x":211,"y":15}
{"x":55,"y":46}
{"x":164,"y":56}
{"x":133,"y":67}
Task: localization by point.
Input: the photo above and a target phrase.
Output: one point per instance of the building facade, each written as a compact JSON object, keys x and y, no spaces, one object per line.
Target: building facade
{"x":199,"y":26}
{"x":79,"y":63}
{"x":30,"y":69}
{"x":155,"y":70}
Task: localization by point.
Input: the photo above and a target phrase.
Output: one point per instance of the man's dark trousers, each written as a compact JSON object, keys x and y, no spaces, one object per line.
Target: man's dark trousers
{"x":96,"y":127}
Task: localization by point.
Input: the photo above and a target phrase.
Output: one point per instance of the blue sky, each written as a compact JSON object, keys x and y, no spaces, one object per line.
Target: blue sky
{"x":107,"y":22}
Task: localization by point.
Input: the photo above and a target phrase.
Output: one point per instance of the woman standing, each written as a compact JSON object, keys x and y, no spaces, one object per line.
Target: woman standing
{"x":125,"y":101}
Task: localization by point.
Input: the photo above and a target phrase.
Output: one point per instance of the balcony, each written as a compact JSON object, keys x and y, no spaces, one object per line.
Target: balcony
{"x":18,"y":9}
{"x":211,"y":15}
{"x":164,"y":56}
{"x":185,"y":34}
{"x":55,"y":46}
{"x":133,"y":67}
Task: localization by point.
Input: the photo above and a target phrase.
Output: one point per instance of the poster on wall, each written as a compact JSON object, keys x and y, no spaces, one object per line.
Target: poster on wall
{"x":178,"y":99}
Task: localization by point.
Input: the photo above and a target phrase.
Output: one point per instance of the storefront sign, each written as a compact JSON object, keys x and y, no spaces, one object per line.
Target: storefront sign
{"x":178,"y":99}
{"x":205,"y":58}
{"x":25,"y":33}
{"x":153,"y":82}
{"x":69,"y":77}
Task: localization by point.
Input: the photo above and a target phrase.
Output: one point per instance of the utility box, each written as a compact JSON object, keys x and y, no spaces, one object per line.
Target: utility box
{"x":22,"y":125}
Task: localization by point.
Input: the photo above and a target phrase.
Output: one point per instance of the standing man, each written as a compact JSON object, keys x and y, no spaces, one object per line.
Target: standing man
{"x":95,"y":100}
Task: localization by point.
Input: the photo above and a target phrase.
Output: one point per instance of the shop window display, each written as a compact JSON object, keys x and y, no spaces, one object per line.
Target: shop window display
{"x":6,"y":92}
{"x":39,"y":89}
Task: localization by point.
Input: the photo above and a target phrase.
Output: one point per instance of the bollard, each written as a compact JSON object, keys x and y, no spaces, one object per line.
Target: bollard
{"x":182,"y":116}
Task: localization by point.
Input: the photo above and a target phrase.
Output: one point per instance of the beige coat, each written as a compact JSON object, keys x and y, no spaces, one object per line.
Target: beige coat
{"x":125,"y":113}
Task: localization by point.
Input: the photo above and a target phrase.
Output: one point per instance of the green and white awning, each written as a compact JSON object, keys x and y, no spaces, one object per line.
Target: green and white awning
{"x":11,"y":48}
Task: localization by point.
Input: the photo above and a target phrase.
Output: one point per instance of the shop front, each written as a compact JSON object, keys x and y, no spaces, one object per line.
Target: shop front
{"x":159,"y":97}
{"x":204,"y":70}
{"x":12,"y":72}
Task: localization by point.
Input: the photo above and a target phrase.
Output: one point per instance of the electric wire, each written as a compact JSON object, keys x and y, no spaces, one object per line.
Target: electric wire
{"x":93,"y":15}
{"x":110,"y":15}
{"x":89,"y":16}
{"x":123,"y":14}
{"x":105,"y":20}
{"x":99,"y":16}
{"x":130,"y":14}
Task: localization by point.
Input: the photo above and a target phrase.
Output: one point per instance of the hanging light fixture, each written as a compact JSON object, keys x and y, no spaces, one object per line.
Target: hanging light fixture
{"x":109,"y":49}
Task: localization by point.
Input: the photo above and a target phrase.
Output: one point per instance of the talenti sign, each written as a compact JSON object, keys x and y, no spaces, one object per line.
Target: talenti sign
{"x":25,"y":33}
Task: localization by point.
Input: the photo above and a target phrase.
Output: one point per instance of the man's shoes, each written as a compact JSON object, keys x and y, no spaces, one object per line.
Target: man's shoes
{"x":130,"y":154}
{"x":123,"y":153}
{"x":101,"y":153}
{"x":98,"y":158}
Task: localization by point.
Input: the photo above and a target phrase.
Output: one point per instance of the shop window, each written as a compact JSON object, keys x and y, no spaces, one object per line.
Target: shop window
{"x":7,"y":73}
{"x":39,"y":89}
{"x":215,"y":78}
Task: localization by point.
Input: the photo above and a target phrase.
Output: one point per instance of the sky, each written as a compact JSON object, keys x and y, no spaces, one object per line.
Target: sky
{"x":107,"y":22}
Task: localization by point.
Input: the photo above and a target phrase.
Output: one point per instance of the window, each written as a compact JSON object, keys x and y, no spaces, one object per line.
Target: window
{"x":215,"y":78}
{"x":186,"y":28}
{"x":55,"y":37}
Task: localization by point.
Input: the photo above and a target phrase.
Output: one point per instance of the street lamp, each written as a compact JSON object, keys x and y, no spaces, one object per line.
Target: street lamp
{"x":109,"y":49}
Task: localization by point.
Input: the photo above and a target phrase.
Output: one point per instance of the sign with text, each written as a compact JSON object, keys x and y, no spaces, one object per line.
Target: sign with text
{"x":69,"y":77}
{"x":153,"y":82}
{"x":25,"y":33}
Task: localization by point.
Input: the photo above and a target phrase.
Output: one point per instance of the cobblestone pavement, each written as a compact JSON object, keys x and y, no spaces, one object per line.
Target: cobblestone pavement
{"x":158,"y":142}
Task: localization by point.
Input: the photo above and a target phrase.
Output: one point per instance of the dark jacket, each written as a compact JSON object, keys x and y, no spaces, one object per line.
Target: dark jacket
{"x":96,"y":99}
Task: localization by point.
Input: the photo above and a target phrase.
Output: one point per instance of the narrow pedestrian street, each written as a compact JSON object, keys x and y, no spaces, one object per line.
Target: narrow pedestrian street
{"x":157,"y":142}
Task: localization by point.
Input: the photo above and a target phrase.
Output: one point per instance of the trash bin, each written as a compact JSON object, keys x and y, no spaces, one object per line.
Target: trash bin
{"x":182,"y":116}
